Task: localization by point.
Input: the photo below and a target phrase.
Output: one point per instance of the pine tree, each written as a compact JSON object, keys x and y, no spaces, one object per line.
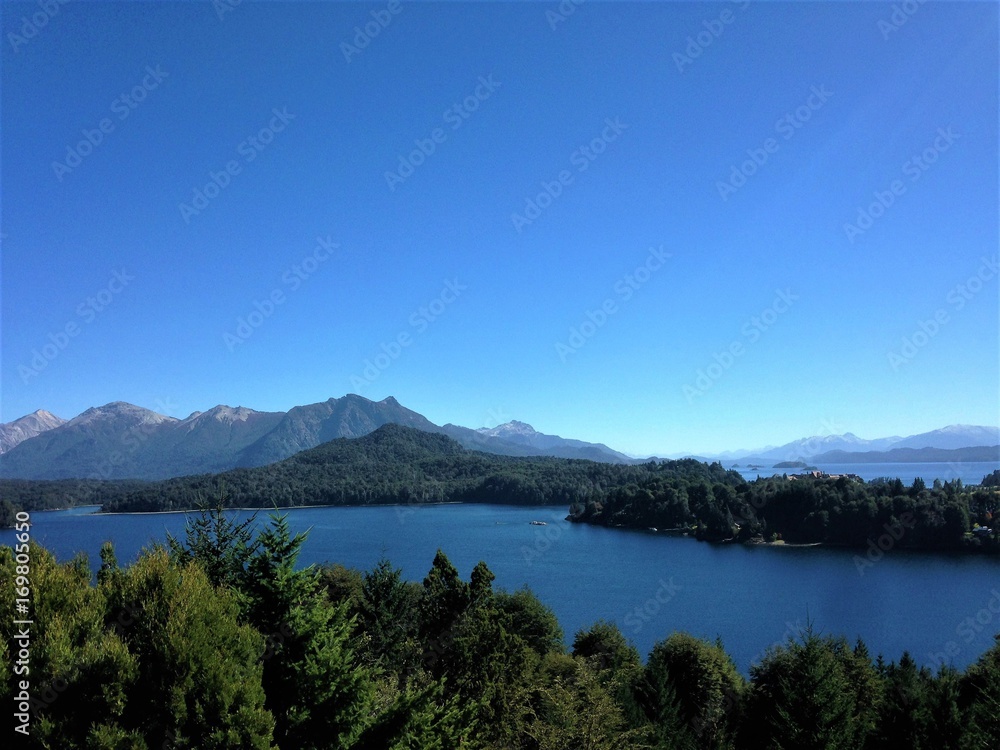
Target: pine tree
{"x":220,"y":545}
{"x":318,"y":693}
{"x":801,"y":698}
{"x":445,"y":599}
{"x":906,"y":711}
{"x":980,"y":700}
{"x":388,"y":620}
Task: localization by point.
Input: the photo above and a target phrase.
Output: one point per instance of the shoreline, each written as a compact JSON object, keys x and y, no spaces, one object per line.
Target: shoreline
{"x":414,"y":506}
{"x":963,"y":551}
{"x":281,"y":507}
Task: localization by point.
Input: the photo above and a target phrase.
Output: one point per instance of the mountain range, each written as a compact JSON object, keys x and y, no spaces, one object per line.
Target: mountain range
{"x":818,"y":447}
{"x":980,"y":453}
{"x":121,"y":440}
{"x":124,"y":441}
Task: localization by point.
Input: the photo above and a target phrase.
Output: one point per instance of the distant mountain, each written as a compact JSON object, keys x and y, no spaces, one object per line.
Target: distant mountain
{"x":123,"y":441}
{"x":209,"y":441}
{"x":912,"y":455}
{"x":476,"y":441}
{"x":812,"y":446}
{"x":952,"y":437}
{"x":806,"y":448}
{"x":12,"y":433}
{"x":304,"y":427}
{"x":105,"y":442}
{"x":520,"y":433}
{"x":517,"y":431}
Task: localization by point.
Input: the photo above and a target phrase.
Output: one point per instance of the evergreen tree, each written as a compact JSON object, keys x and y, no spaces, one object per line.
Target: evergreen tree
{"x":445,"y":599}
{"x":572,"y":707}
{"x":802,"y":698}
{"x":906,"y":711}
{"x":319,"y":695}
{"x":489,"y":667}
{"x":604,"y":645}
{"x":219,"y":544}
{"x":980,"y":700}
{"x":943,"y":696}
{"x":481,"y":585}
{"x":388,"y":620}
{"x":616,"y":663}
{"x":419,"y":719}
{"x":697,"y":682}
{"x":532,"y":621}
{"x":81,"y":671}
{"x":198,"y":679}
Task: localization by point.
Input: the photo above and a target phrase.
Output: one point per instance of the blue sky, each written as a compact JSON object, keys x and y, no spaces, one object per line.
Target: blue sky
{"x":666,"y":227}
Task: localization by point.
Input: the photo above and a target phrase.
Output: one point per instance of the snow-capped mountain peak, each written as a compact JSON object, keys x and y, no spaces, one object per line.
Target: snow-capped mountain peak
{"x":512,"y":428}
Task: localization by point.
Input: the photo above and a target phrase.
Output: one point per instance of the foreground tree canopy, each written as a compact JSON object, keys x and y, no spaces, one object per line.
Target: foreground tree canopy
{"x":219,"y":640}
{"x":397,"y":464}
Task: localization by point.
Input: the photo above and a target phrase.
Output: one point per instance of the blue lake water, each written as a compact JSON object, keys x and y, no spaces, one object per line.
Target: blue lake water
{"x":650,"y":584}
{"x":970,"y":473}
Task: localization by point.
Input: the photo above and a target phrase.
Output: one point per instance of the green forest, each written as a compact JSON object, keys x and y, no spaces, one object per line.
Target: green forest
{"x":841,"y":511}
{"x":402,"y":465}
{"x":219,"y":640}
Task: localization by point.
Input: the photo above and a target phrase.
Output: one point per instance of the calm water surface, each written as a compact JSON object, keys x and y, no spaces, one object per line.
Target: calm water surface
{"x":649,"y":584}
{"x":970,"y":473}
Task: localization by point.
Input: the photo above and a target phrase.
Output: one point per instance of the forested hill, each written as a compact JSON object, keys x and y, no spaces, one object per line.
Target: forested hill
{"x":396,"y":464}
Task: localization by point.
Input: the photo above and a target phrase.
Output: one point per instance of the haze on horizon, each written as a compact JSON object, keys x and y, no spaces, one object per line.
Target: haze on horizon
{"x":668,"y":228}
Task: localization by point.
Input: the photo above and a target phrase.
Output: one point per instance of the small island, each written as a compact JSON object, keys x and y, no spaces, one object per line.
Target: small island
{"x":794,"y":465}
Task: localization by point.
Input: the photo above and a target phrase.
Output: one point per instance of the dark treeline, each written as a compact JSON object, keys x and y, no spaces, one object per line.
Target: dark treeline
{"x":842,"y":511}
{"x":55,"y":494}
{"x":218,"y":640}
{"x":398,"y":464}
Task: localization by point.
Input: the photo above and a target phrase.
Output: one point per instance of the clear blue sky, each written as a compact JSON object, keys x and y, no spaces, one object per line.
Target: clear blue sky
{"x":181,"y":90}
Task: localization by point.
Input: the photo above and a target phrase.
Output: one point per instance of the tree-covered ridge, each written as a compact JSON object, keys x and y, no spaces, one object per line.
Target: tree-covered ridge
{"x":394,"y":464}
{"x":56,"y":494}
{"x":219,"y":640}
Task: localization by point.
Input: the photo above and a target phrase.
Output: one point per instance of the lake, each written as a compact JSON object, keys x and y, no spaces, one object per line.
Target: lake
{"x":649,"y":584}
{"x":970,"y":473}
